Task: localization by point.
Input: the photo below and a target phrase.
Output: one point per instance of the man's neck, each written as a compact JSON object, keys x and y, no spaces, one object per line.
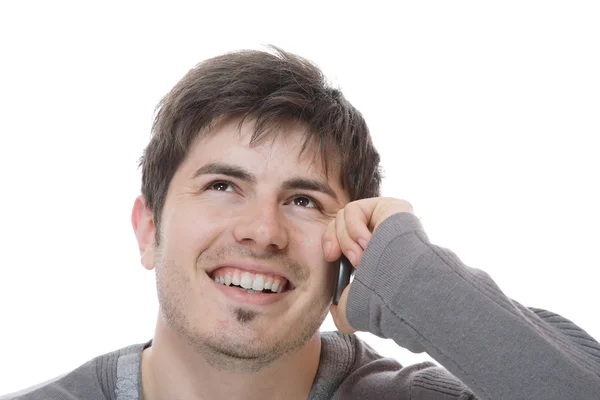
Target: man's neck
{"x":173,"y":370}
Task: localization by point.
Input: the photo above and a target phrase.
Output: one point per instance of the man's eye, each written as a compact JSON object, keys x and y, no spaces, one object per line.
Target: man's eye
{"x":220,"y":186}
{"x":304,"y":201}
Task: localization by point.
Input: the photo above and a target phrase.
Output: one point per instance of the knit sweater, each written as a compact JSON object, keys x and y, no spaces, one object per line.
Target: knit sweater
{"x":425,"y":299}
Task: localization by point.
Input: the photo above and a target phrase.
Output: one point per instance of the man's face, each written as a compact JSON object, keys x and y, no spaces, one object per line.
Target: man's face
{"x":251,"y":216}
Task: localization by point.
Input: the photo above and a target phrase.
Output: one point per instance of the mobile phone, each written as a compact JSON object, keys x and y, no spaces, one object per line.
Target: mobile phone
{"x":345,"y":270}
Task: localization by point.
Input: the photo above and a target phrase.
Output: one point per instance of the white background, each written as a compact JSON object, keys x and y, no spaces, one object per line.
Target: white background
{"x":486,"y":115}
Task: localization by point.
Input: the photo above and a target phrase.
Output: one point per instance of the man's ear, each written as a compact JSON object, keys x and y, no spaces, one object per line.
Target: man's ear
{"x":142,"y":220}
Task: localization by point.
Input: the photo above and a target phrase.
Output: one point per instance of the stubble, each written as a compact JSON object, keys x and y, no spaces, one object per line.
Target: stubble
{"x":218,"y":347}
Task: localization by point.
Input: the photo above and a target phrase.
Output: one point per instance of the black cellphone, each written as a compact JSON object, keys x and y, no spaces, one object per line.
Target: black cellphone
{"x":345,"y":271}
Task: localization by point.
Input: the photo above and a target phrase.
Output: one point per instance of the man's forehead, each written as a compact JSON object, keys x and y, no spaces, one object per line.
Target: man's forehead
{"x":292,"y":137}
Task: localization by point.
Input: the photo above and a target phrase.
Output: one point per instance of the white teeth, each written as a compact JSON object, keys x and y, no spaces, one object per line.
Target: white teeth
{"x":235,"y":279}
{"x":252,"y":282}
{"x":268,"y":283}
{"x":246,"y":282}
{"x":275,"y":286}
{"x":258,"y":283}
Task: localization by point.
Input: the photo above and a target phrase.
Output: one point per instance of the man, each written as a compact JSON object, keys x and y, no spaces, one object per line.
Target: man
{"x":258,"y":177}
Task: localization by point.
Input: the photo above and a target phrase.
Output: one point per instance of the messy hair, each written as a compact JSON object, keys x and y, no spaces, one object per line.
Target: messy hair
{"x":272,"y":88}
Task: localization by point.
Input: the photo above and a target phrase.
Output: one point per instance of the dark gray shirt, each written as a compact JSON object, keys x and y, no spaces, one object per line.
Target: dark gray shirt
{"x":425,"y":299}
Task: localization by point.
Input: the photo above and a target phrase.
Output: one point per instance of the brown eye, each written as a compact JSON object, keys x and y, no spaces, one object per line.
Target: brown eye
{"x":220,"y":186}
{"x":304,"y":202}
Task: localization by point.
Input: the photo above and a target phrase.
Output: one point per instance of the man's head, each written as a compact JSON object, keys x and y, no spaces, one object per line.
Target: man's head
{"x":274,"y":89}
{"x":252,"y":154}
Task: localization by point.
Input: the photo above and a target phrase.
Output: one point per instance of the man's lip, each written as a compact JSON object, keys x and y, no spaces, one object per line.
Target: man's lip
{"x":256,"y":299}
{"x":254,"y":267}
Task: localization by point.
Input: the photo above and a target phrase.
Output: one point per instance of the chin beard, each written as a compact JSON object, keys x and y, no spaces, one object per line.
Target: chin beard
{"x":229,"y":355}
{"x":244,"y":316}
{"x":225,"y":348}
{"x":223,"y":353}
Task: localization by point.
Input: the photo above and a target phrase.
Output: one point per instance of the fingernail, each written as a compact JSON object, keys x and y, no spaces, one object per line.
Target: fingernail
{"x":363,"y":243}
{"x":327,"y":249}
{"x":352,"y":257}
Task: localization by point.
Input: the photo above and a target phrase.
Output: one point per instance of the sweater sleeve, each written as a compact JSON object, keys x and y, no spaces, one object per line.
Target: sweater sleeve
{"x":425,"y":299}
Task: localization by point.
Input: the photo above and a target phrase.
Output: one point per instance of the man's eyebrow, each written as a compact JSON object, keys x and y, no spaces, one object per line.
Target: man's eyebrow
{"x":240,"y":173}
{"x":309,"y":184}
{"x":225,"y":169}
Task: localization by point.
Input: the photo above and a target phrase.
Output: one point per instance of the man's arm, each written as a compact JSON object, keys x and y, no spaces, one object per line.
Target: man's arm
{"x":425,"y":299}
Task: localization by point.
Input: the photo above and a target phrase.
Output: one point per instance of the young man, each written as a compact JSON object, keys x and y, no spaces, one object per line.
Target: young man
{"x":256,"y":180}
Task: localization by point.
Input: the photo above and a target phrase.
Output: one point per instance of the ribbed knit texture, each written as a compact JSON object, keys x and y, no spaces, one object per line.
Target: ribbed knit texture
{"x":94,"y":380}
{"x":425,"y":299}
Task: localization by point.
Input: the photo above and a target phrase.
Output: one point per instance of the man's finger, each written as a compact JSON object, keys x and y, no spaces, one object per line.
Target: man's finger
{"x":329,"y":241}
{"x":352,"y":250}
{"x":356,"y":223}
{"x":338,"y":313}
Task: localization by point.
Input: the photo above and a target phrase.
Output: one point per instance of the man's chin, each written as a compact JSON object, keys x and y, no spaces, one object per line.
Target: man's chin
{"x":242,"y":353}
{"x":239,"y":338}
{"x":250,"y":345}
{"x":245,"y":316}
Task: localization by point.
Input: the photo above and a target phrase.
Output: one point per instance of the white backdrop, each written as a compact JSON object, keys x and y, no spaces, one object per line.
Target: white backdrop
{"x":486,"y":115}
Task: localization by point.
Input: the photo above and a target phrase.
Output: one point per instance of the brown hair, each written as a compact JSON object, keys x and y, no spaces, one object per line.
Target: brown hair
{"x":270,"y":88}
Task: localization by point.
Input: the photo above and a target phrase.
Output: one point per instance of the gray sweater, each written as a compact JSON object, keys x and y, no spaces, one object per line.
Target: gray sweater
{"x":425,"y":299}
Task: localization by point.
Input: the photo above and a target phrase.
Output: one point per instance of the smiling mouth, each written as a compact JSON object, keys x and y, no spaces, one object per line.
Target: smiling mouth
{"x":251,"y":282}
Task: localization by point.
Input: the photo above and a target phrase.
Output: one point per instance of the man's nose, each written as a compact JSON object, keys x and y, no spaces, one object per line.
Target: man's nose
{"x":262,"y":227}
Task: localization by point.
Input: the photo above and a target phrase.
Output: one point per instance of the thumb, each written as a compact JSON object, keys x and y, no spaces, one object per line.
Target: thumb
{"x":338,"y":312}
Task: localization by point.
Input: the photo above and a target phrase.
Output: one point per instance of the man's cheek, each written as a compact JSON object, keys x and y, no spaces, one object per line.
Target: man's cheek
{"x":197,"y":231}
{"x":309,"y":240}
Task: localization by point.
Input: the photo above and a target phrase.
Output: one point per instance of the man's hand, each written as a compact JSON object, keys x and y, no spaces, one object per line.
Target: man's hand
{"x":349,"y":233}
